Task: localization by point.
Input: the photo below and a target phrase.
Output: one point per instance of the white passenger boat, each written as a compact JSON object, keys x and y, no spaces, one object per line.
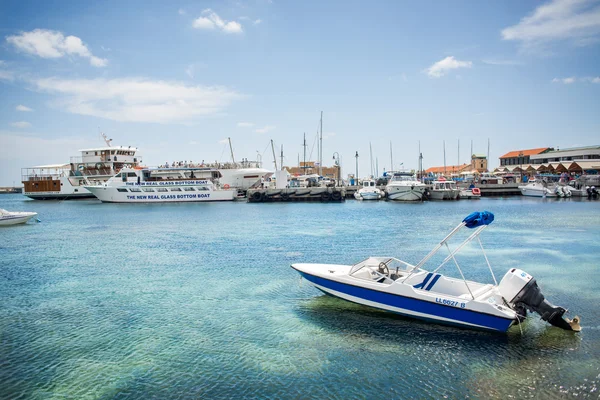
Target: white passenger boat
{"x":390,"y":284}
{"x":14,"y":217}
{"x":66,"y":181}
{"x":403,"y":186}
{"x":368,"y":191}
{"x":444,"y":190}
{"x":163,"y":185}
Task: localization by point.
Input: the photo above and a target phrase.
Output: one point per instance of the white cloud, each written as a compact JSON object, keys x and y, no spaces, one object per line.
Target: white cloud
{"x":21,"y":107}
{"x":2,"y":63}
{"x":21,"y":124}
{"x":137,"y":99}
{"x":500,"y":62}
{"x":566,"y":81}
{"x":211,"y":20}
{"x":441,"y":67}
{"x":245,"y":124}
{"x":6,"y":75}
{"x":181,"y":11}
{"x":573,"y":79}
{"x":265,"y":129}
{"x":575,"y":20}
{"x":189,"y":71}
{"x":257,"y":22}
{"x":53,"y":44}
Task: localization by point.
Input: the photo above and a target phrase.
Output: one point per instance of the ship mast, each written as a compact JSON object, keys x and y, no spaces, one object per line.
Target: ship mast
{"x":274,"y":157}
{"x":321,"y":148}
{"x":231,"y":149}
{"x":106,"y":139}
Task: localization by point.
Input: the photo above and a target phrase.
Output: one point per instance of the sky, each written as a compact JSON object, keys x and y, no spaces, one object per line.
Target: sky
{"x":176,"y":79}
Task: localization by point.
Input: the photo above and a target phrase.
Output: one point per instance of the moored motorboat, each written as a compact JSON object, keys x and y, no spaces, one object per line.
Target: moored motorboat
{"x":390,"y":284}
{"x":443,"y":189}
{"x":471,"y":194}
{"x":15,"y":217}
{"x":369,"y":191}
{"x":403,"y":186}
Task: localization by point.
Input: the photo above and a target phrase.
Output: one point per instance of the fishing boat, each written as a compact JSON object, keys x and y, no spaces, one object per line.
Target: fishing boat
{"x":390,"y":284}
{"x":444,"y":190}
{"x":15,"y":217}
{"x":403,"y":186}
{"x":369,"y":191}
{"x":163,"y":185}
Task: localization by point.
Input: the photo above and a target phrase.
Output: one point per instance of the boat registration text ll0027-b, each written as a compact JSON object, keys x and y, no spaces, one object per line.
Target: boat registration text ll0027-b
{"x":450,"y":303}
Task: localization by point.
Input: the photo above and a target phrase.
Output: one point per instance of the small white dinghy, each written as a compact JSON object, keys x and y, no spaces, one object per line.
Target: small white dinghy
{"x":14,"y":218}
{"x":393,"y":285}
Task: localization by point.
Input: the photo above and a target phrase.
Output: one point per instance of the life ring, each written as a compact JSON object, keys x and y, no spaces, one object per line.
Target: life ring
{"x":226,"y":186}
{"x":476,"y":191}
{"x":336,"y":196}
{"x":257,"y":196}
{"x":325,"y":196}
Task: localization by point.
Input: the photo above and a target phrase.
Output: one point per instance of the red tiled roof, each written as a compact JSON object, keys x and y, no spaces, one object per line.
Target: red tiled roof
{"x":448,"y":169}
{"x":529,"y":152}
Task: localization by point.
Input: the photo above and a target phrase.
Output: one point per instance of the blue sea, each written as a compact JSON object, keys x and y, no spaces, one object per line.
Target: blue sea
{"x":198,"y":301}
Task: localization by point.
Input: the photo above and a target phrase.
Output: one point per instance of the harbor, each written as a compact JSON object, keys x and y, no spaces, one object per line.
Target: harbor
{"x":180,"y":309}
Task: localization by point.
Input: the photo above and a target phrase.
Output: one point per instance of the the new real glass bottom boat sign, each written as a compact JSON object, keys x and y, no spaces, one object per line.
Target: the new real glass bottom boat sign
{"x":162,"y":185}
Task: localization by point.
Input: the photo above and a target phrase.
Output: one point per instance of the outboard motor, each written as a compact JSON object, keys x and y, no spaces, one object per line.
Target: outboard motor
{"x":521,"y":292}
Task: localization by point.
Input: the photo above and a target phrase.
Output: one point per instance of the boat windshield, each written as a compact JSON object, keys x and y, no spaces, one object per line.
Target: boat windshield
{"x":400,"y":177}
{"x":392,"y":264}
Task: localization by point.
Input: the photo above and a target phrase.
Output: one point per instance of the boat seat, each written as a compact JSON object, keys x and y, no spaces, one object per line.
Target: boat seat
{"x":479,"y":293}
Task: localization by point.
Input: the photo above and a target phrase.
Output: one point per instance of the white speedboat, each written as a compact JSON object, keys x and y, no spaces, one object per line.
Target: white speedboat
{"x":368,"y":191}
{"x":15,"y":217}
{"x":390,"y":284}
{"x":444,"y":190}
{"x":403,"y":186}
{"x":66,"y":181}
{"x":162,"y":185}
{"x":471,"y":194}
{"x":538,"y":188}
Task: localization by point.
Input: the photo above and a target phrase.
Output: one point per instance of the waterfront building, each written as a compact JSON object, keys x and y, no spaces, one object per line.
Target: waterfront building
{"x":448,"y":169}
{"x":479,"y":163}
{"x":522,"y":157}
{"x":569,"y":154}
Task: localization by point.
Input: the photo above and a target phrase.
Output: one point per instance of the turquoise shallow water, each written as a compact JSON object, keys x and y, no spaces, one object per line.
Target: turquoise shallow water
{"x":178,"y":301}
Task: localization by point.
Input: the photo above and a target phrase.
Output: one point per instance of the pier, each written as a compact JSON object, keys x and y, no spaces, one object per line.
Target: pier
{"x":320,"y":194}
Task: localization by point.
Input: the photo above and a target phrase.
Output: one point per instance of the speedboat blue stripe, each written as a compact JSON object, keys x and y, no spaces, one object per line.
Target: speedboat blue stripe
{"x":433,"y":310}
{"x":433,"y":282}
{"x":422,"y":284}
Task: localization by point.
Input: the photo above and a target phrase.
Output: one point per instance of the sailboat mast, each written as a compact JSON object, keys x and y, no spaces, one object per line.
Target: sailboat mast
{"x":321,"y":148}
{"x":488,"y":155}
{"x":458,"y":152}
{"x":304,"y":166}
{"x":391,"y":158}
{"x":281,"y":156}
{"x":444,"y":157}
{"x":231,"y":149}
{"x":274,"y":157}
{"x":371,"y":157}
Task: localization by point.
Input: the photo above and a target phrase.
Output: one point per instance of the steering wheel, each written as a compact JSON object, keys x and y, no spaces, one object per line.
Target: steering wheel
{"x":383,"y":269}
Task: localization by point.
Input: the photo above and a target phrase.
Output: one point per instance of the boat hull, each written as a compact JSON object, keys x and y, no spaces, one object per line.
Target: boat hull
{"x":405,"y":193}
{"x":111,"y":195}
{"x":16,"y":219}
{"x":410,"y":306}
